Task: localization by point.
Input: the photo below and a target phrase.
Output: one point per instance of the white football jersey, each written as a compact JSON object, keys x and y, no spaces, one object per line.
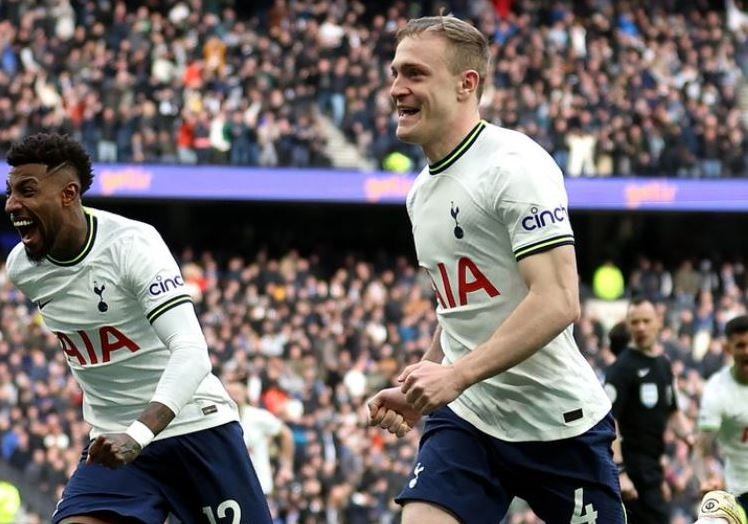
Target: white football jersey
{"x":259,"y":427}
{"x":100,"y":305}
{"x":724,"y":409}
{"x":497,"y":198}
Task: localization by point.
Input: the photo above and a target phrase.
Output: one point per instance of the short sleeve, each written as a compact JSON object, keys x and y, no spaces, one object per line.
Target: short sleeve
{"x":531,"y":201}
{"x":152,"y":274}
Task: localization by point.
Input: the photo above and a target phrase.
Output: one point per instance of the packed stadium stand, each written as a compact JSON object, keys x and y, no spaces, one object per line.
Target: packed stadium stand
{"x":609,"y":88}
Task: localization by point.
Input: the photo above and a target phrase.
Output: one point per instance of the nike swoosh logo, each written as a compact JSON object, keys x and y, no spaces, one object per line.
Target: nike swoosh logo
{"x":41,"y":305}
{"x":643,"y":372}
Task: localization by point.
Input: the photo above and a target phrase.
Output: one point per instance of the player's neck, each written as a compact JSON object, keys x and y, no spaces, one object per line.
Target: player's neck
{"x":650,"y":351}
{"x":743,"y":381}
{"x":72,"y":236}
{"x":448,"y":140}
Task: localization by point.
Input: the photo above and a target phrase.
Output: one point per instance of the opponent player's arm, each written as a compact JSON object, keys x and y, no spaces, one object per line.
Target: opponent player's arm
{"x":551,"y":304}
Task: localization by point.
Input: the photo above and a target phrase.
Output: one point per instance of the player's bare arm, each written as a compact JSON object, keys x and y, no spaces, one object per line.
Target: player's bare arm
{"x":285,"y":462}
{"x":702,"y":451}
{"x":551,"y":304}
{"x":390,"y":410}
{"x":117,"y":449}
{"x":156,"y":416}
{"x":682,"y":428}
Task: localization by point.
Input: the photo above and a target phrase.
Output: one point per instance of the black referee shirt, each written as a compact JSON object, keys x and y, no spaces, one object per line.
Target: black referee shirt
{"x":641,"y":389}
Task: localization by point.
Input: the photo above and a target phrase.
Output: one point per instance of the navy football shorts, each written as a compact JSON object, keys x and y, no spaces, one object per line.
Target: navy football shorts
{"x":475,"y":476}
{"x":203,"y":477}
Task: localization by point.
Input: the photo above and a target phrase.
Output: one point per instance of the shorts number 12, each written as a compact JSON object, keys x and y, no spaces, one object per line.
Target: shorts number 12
{"x":229,"y":504}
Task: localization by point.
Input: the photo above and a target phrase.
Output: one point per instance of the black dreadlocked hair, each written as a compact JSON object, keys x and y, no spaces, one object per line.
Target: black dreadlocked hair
{"x":52,"y":149}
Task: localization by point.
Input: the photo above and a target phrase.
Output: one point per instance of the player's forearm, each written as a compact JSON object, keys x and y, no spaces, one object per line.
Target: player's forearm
{"x":701,"y":452}
{"x":435,"y":353}
{"x":680,"y":425}
{"x":286,"y":448}
{"x":537,"y":320}
{"x":156,"y":416}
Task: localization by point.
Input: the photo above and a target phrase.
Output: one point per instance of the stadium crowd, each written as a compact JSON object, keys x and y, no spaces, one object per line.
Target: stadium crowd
{"x":610,"y":88}
{"x":312,"y":340}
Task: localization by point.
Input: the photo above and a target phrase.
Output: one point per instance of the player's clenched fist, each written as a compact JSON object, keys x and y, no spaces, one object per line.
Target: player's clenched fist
{"x":113,"y":450}
{"x":389,"y":410}
{"x":428,"y":386}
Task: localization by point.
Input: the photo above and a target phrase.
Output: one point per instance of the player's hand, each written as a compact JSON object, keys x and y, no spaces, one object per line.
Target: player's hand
{"x":389,"y":410}
{"x":284,"y":475}
{"x":113,"y":450}
{"x":428,"y":386}
{"x":628,"y":491}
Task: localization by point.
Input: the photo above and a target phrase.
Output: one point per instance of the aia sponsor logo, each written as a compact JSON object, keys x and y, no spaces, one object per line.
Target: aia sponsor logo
{"x":470,"y":279}
{"x":95,"y":347}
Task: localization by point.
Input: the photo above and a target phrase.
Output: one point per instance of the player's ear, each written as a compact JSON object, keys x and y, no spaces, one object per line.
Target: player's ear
{"x":469,"y":82}
{"x":727,"y":347}
{"x":71,"y":192}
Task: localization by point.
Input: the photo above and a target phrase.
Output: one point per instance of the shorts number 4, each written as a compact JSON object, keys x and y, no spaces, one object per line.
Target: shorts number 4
{"x":582,"y":514}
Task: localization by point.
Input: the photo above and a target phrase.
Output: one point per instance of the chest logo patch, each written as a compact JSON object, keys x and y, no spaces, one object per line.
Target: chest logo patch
{"x":648,"y":394}
{"x":99,"y":290}
{"x":454,"y":211}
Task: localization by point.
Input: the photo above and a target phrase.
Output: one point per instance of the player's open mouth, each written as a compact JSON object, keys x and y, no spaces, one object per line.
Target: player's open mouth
{"x":27,"y":228}
{"x":406,"y":112}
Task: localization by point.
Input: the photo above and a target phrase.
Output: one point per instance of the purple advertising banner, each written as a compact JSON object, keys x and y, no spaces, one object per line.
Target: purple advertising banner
{"x":325,"y":185}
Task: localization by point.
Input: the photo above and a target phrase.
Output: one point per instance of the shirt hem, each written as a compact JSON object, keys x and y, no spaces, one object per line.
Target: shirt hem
{"x":185,"y":428}
{"x":556,"y":433}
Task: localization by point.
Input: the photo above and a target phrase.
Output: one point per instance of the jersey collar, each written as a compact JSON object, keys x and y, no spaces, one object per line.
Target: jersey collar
{"x":458,"y":151}
{"x":91,"y":227}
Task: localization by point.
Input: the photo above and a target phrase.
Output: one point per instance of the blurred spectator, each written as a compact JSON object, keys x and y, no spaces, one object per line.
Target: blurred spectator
{"x":608,"y":89}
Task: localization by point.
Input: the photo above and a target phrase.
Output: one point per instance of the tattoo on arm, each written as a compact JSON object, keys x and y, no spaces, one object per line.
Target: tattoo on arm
{"x":156,"y":416}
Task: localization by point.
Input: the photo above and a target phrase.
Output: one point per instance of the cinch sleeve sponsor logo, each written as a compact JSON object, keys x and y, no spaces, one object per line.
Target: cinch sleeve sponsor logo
{"x":164,"y":285}
{"x":540,"y":219}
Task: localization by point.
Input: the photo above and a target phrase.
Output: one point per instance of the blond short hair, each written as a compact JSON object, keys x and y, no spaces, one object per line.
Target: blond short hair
{"x":469,"y":46}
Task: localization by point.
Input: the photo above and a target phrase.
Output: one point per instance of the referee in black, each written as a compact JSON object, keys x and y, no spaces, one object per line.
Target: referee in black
{"x":640,"y":386}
